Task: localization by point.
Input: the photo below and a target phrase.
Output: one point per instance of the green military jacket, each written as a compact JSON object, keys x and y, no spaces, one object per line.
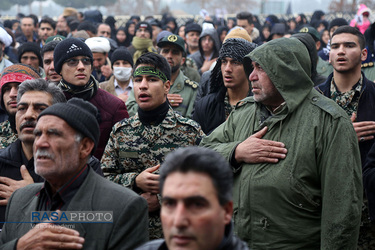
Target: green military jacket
{"x":182,"y":86}
{"x":311,"y":199}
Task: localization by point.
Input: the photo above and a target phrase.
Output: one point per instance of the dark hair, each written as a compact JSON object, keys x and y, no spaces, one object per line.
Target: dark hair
{"x":156,"y":60}
{"x":43,"y":86}
{"x":87,"y":26}
{"x":353,"y":31}
{"x":35,"y":18}
{"x":245,"y":15}
{"x":34,"y":23}
{"x":200,"y":160}
{"x":48,"y":20}
{"x":50,"y":46}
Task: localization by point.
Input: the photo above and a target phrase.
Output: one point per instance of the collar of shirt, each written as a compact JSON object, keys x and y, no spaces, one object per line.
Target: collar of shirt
{"x":120,"y":90}
{"x":63,"y":196}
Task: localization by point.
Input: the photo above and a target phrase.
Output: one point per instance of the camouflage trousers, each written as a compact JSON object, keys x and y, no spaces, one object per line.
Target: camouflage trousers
{"x":154,"y":226}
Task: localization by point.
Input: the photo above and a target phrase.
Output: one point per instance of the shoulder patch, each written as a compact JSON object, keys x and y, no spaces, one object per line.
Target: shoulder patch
{"x":367,"y":65}
{"x":187,"y":121}
{"x":327,"y":105}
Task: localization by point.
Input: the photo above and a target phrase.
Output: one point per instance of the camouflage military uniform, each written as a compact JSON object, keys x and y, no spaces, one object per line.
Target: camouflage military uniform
{"x":134,"y":147}
{"x":182,"y":86}
{"x":7,"y":136}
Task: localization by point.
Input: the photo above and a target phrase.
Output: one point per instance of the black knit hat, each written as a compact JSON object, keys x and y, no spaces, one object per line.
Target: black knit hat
{"x":122,"y":53}
{"x":67,"y":49}
{"x":193,"y":27}
{"x":80,"y":115}
{"x":30,"y":47}
{"x":337,"y":22}
{"x":144,"y":25}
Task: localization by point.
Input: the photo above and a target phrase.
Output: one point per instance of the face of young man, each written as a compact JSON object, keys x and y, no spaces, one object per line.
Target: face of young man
{"x":233,"y":73}
{"x":191,"y":215}
{"x":142,"y":33}
{"x":346,"y":54}
{"x":77,"y":70}
{"x":245,"y":24}
{"x":29,"y":58}
{"x":10,"y":91}
{"x":27,"y":26}
{"x":149,"y":90}
{"x":173,"y":55}
{"x":49,"y":67}
{"x":207,"y":44}
{"x":31,"y":104}
{"x":45,"y":30}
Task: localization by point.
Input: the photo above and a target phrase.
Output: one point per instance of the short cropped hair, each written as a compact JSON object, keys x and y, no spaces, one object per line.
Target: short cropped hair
{"x":245,"y":15}
{"x":353,"y":31}
{"x":200,"y":160}
{"x":50,"y":46}
{"x":43,"y":86}
{"x":48,"y":20}
{"x":155,"y":60}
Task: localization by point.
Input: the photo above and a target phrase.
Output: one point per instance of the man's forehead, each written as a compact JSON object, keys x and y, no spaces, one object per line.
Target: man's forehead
{"x":171,"y":46}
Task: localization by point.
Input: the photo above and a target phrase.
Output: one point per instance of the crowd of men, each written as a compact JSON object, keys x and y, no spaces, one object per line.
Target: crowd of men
{"x":226,"y":134}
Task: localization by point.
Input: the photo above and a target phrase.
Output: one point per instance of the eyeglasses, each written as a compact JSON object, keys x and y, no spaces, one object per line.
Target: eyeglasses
{"x":74,"y":62}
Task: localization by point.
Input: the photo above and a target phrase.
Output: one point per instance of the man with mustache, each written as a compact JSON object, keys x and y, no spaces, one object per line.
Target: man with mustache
{"x":16,"y":160}
{"x":139,"y":144}
{"x":66,"y":136}
{"x":11,"y":77}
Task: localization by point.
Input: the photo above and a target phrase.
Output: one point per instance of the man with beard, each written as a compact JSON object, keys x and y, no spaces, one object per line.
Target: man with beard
{"x":11,"y":77}
{"x":16,"y":160}
{"x":183,"y":91}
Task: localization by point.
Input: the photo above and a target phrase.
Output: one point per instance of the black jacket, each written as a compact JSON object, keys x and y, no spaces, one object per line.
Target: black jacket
{"x":366,"y":108}
{"x":230,"y":242}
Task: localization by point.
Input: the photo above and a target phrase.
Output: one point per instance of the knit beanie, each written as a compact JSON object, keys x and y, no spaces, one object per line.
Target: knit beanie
{"x":69,"y":48}
{"x":144,"y":25}
{"x":193,"y":27}
{"x":235,"y":48}
{"x":122,"y":53}
{"x":16,"y":73}
{"x":238,"y":32}
{"x":80,"y":115}
{"x":30,"y":47}
{"x":337,"y":22}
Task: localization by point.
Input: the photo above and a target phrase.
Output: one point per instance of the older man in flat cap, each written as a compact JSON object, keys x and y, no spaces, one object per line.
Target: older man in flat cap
{"x":100,"y":47}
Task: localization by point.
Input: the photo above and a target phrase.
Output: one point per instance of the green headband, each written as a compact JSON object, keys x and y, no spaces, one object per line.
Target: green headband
{"x":150,"y":71}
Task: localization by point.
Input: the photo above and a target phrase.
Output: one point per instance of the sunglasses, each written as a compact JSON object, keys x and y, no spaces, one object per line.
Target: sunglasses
{"x":74,"y":62}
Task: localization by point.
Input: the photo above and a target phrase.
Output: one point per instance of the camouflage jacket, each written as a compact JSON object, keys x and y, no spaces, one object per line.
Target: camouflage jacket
{"x":134,"y":147}
{"x":7,"y":136}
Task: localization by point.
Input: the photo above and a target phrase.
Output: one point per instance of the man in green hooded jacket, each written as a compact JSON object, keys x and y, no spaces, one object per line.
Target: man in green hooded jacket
{"x":308,"y":195}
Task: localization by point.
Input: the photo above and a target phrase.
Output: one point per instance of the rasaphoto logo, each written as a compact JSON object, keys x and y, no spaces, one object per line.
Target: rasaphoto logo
{"x":72,"y":217}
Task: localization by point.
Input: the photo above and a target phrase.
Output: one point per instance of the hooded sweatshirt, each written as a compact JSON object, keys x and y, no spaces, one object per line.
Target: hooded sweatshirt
{"x":311,"y":199}
{"x":198,"y":56}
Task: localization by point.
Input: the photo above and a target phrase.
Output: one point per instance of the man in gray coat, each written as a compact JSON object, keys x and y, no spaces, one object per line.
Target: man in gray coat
{"x":65,"y":137}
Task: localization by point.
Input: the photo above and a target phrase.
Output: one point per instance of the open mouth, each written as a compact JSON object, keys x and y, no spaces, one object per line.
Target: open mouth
{"x":143,"y":97}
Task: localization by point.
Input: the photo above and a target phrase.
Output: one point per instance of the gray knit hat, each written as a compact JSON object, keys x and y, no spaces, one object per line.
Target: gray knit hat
{"x":80,"y":115}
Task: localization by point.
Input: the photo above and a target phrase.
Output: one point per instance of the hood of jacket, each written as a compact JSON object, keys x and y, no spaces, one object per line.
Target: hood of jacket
{"x":287,"y":63}
{"x":215,"y":37}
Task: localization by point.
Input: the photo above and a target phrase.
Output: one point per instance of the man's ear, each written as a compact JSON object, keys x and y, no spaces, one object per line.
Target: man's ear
{"x":183,"y":61}
{"x":228,"y":209}
{"x":85,"y":147}
{"x":167,"y":86}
